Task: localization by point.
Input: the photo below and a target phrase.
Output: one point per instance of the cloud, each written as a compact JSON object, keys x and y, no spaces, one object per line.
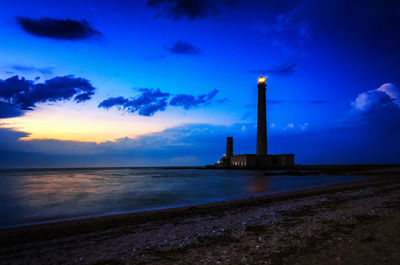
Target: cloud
{"x":281,"y":69}
{"x":22,"y":68}
{"x":376,"y":109}
{"x":291,"y":127}
{"x":20,"y":95}
{"x":58,"y":28}
{"x":146,"y":104}
{"x":111,"y":102}
{"x":183,"y":47}
{"x":190,"y":9}
{"x":8,"y":110}
{"x":392,"y":91}
{"x":151,"y":101}
{"x":224,"y":100}
{"x":304,"y":126}
{"x":372,"y":100}
{"x":190,"y":101}
{"x":387,"y":96}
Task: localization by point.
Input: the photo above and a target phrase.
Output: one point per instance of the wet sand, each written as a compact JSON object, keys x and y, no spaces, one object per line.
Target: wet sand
{"x":348,"y":223}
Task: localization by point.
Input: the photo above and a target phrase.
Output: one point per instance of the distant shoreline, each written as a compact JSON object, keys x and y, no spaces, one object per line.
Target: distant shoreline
{"x":100,"y":168}
{"x":338,"y":167}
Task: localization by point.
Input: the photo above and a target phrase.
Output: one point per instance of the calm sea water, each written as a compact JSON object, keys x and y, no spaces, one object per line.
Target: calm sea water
{"x":31,"y":196}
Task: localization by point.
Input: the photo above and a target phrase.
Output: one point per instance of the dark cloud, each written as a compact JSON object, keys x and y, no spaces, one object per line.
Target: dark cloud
{"x":281,"y":69}
{"x":190,"y":9}
{"x":111,"y":102}
{"x":190,"y":101}
{"x":146,"y":104}
{"x":224,"y":100}
{"x":19,"y":95}
{"x":58,"y":28}
{"x":8,"y":110}
{"x":23,"y":68}
{"x":183,"y":47}
{"x":152,"y":100}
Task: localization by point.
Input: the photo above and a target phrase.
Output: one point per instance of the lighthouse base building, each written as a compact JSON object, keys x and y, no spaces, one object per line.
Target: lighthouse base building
{"x":261,"y":159}
{"x":254,"y":160}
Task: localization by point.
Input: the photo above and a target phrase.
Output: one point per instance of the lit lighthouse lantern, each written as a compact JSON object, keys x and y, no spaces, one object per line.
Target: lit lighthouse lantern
{"x":261,"y":80}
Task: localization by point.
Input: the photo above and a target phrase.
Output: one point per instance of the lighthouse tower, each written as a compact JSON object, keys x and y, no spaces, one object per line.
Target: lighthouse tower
{"x":261,"y":118}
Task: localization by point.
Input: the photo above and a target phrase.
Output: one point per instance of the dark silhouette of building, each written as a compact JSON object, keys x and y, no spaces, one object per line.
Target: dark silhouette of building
{"x":261,"y":159}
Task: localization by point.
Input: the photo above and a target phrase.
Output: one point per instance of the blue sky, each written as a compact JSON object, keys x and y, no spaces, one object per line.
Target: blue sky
{"x":163,"y":82}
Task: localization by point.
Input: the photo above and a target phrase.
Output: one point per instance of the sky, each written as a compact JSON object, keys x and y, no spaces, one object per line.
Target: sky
{"x":164,"y":82}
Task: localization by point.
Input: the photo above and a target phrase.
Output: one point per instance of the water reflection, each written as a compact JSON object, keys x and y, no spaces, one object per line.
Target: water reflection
{"x":258,"y":182}
{"x":43,"y":195}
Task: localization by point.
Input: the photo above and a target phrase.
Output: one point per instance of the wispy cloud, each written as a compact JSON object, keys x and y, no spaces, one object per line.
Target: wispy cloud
{"x":147,"y":103}
{"x":183,"y":47}
{"x":23,"y":68}
{"x":189,"y":9}
{"x":280,"y":69}
{"x":150,"y":101}
{"x":190,"y":101}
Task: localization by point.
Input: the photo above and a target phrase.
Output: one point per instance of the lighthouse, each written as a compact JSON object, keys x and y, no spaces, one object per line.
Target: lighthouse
{"x":261,"y":118}
{"x":261,"y":159}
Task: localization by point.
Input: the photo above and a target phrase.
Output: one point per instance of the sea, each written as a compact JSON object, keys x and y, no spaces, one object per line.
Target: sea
{"x":32,"y":196}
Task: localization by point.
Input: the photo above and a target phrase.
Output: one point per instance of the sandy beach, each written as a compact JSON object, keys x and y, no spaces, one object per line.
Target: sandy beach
{"x":348,"y":223}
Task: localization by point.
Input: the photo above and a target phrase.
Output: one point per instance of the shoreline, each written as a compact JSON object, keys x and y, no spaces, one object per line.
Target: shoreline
{"x":132,"y":225}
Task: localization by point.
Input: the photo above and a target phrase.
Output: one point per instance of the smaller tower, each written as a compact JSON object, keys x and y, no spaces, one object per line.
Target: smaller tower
{"x":229,"y":147}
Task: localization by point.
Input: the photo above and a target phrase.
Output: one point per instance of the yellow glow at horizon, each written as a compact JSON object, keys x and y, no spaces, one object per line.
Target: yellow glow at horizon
{"x":75,"y":125}
{"x":71,"y":122}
